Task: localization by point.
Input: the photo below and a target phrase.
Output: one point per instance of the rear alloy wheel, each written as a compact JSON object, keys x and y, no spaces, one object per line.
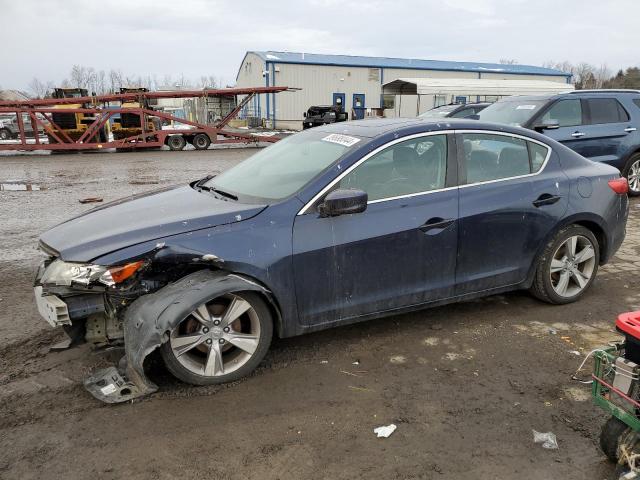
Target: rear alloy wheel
{"x":567,"y":267}
{"x":632,"y":173}
{"x":220,"y":341}
{"x":201,"y":141}
{"x":176,"y":142}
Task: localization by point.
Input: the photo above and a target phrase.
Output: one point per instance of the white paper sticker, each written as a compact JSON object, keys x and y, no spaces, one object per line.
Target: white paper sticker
{"x":526,"y":107}
{"x":345,"y":140}
{"x":109,"y":389}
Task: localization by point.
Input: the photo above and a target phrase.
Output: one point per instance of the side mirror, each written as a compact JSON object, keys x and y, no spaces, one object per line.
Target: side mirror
{"x":473,"y":117}
{"x":342,"y":202}
{"x":304,"y":114}
{"x":546,"y":126}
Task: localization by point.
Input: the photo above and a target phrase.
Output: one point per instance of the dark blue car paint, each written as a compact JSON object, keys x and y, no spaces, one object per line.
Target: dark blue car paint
{"x":607,"y":142}
{"x":328,"y":271}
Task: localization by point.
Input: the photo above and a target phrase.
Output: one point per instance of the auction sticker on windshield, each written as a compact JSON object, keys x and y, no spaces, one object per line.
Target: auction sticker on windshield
{"x":345,"y":140}
{"x":525,"y":107}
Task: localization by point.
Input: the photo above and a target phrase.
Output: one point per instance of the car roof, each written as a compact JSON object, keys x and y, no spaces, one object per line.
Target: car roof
{"x":375,"y":127}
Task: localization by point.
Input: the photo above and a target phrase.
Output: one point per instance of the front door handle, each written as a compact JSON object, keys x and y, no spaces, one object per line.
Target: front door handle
{"x":577,"y":134}
{"x":436,"y":223}
{"x":546,"y":199}
{"x":630,"y":129}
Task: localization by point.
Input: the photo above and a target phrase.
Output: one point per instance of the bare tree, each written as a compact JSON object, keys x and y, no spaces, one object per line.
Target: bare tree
{"x":115,"y":79}
{"x":39,"y":89}
{"x":508,"y":61}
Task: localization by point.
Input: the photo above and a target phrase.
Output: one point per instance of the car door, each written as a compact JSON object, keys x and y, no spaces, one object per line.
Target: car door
{"x":512,"y":194}
{"x":606,"y":131}
{"x":570,"y":116}
{"x":400,"y":251}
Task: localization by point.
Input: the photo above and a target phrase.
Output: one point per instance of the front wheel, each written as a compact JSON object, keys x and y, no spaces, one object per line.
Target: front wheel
{"x":632,"y":174}
{"x":222,"y":340}
{"x":5,"y":134}
{"x":610,"y":436}
{"x":201,"y":141}
{"x":567,"y":266}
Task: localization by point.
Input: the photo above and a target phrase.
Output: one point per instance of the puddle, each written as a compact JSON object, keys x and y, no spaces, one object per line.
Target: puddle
{"x":20,"y":187}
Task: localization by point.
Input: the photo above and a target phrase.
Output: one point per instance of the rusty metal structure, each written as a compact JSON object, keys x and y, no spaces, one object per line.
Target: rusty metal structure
{"x":41,"y":115}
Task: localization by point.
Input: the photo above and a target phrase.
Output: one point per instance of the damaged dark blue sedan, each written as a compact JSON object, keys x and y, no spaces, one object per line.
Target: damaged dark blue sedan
{"x":331,"y":226}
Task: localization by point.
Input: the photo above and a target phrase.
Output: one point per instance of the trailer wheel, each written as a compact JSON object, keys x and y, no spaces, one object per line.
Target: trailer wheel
{"x":176,"y":142}
{"x":201,"y":141}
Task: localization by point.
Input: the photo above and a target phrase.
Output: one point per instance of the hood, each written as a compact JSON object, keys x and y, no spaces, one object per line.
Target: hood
{"x":142,"y":218}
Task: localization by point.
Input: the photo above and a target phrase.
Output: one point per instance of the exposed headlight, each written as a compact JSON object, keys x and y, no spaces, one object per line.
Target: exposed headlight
{"x":66,"y":273}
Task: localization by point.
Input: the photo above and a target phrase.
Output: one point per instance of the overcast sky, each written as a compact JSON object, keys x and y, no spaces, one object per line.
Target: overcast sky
{"x":44,"y":38}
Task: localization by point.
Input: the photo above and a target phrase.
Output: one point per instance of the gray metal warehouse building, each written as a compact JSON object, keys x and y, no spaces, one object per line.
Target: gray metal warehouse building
{"x":357,"y":82}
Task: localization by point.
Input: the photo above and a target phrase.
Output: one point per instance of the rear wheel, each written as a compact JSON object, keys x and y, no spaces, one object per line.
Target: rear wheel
{"x":610,"y":437}
{"x":5,"y":134}
{"x":222,"y":340}
{"x":201,"y":141}
{"x":632,"y":174}
{"x":567,"y":266}
{"x":176,"y":142}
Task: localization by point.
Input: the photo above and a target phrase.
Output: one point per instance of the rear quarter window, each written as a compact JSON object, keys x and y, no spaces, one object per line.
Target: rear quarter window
{"x":606,"y":110}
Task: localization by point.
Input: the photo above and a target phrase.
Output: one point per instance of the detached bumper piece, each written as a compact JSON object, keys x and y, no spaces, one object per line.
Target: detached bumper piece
{"x":109,"y":386}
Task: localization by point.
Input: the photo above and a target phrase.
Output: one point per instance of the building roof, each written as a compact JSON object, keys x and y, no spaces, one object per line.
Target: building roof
{"x":13,"y":95}
{"x":409,"y":63}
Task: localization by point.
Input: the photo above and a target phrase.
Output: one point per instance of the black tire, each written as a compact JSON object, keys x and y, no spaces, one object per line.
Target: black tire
{"x":542,"y":288}
{"x":610,"y":437}
{"x":266,"y":332}
{"x":634,"y":161}
{"x":5,"y":134}
{"x":176,"y":142}
{"x":201,"y":141}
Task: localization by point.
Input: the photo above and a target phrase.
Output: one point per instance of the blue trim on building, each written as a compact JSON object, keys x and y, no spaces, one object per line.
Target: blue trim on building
{"x":273,"y":84}
{"x":266,"y":84}
{"x":402,"y":63}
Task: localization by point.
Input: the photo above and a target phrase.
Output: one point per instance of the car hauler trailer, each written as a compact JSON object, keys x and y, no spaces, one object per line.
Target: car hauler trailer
{"x":42,"y":113}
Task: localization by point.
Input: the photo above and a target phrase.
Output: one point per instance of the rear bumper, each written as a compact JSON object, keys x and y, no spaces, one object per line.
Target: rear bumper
{"x":618,"y":229}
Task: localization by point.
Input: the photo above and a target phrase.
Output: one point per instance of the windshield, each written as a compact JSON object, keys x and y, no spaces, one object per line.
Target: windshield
{"x":514,"y":112}
{"x":439,"y":112}
{"x":282,"y":169}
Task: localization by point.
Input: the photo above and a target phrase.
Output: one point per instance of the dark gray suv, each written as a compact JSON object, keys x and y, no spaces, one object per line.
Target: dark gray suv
{"x":601,"y":125}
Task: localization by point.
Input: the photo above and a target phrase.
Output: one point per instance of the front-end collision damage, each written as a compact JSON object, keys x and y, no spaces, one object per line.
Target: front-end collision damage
{"x":147,"y":324}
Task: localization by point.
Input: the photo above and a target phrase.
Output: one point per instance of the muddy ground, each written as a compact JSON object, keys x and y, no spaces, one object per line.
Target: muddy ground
{"x":465,"y":384}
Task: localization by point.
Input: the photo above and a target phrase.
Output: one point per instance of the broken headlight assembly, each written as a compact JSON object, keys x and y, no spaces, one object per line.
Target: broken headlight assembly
{"x":66,"y":273}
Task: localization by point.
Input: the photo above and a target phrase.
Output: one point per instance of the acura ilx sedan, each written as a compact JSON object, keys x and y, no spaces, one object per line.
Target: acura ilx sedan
{"x":327,"y":227}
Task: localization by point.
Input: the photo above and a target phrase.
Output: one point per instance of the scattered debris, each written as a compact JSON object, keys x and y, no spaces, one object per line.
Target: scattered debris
{"x":350,"y":373}
{"x":548,"y":440}
{"x":90,"y":200}
{"x":385,"y":431}
{"x":553,"y":331}
{"x":575,"y":352}
{"x":62,"y":345}
{"x":360,"y":389}
{"x":357,"y":362}
{"x":324,"y":362}
{"x":398,"y":359}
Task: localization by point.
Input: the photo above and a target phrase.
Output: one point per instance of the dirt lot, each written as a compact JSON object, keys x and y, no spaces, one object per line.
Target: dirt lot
{"x":465,"y":384}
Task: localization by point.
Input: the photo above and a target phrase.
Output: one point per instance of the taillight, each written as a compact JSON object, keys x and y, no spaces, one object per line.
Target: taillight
{"x":619,"y":185}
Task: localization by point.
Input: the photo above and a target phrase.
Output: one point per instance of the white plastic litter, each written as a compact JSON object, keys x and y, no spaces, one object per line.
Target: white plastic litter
{"x":385,"y":431}
{"x":548,"y":440}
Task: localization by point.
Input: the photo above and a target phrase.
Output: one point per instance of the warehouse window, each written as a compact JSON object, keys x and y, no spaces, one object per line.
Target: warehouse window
{"x":388,"y":101}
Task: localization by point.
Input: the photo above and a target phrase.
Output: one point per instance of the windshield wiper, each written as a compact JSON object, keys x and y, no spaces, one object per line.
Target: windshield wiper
{"x":223,"y":193}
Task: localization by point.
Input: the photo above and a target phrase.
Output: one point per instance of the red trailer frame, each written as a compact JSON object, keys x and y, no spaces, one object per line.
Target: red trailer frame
{"x":39,"y":112}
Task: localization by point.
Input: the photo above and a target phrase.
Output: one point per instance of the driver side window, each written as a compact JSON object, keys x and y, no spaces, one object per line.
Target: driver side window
{"x":413,"y":166}
{"x":566,"y":113}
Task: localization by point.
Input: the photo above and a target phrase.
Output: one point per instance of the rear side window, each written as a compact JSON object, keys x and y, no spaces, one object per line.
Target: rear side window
{"x":637,"y":101}
{"x":566,"y":113}
{"x":606,"y":110}
{"x":493,"y":157}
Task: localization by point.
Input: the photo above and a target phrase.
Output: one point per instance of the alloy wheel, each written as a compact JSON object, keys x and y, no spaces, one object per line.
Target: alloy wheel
{"x":218,"y":337}
{"x":633,"y":177}
{"x":572,"y":266}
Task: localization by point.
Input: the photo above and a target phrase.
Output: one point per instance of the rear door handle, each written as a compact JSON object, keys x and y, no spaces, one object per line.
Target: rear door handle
{"x":630,"y":129}
{"x":436,"y":223}
{"x":577,"y":134}
{"x":546,"y":199}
